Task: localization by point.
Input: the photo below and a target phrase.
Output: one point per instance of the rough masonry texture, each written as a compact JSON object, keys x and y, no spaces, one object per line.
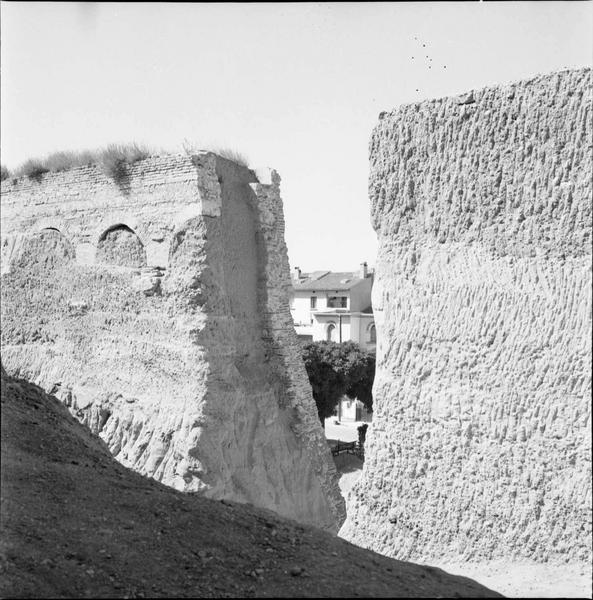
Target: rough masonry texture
{"x":480,"y":445}
{"x":156,"y":308}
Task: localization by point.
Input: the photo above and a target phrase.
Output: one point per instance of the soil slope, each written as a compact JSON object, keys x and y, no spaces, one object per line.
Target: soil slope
{"x":75,"y":523}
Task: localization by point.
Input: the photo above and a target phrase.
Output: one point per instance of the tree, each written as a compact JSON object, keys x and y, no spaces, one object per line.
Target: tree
{"x":359,"y":372}
{"x":336,"y":370}
{"x":327,"y":382}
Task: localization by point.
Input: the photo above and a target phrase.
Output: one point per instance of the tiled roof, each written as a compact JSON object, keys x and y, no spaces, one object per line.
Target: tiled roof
{"x":326,"y":280}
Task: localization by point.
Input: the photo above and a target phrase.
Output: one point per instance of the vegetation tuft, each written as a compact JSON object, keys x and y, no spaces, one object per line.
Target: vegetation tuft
{"x":116,"y":159}
{"x":4,"y":173}
{"x":32,"y":168}
{"x":228,"y":153}
{"x":232,"y":155}
{"x":62,"y":161}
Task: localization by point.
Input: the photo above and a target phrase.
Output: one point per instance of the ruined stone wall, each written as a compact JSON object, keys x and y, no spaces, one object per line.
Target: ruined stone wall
{"x":156,"y":308}
{"x":480,"y":445}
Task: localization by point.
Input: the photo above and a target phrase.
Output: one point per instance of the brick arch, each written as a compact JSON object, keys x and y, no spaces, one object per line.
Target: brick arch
{"x":121,"y":246}
{"x":42,"y":247}
{"x":113,"y":219}
{"x":109,"y":229}
{"x":52,"y":224}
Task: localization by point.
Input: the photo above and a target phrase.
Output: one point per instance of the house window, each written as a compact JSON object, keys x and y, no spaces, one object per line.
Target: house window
{"x":337,"y":302}
{"x":373,"y":335}
{"x":330,"y":334}
{"x":313,"y":302}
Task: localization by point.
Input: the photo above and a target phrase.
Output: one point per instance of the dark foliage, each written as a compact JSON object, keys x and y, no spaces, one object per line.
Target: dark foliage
{"x":336,"y":370}
{"x":34,"y":169}
{"x":359,"y":369}
{"x":327,"y":382}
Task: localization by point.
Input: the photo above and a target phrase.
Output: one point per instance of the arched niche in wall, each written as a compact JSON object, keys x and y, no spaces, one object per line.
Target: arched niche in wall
{"x":47,"y":248}
{"x":331,"y":333}
{"x":119,"y":245}
{"x":372,"y":331}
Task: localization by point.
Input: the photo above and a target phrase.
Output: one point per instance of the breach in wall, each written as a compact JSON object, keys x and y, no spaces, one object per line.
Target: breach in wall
{"x":156,"y":309}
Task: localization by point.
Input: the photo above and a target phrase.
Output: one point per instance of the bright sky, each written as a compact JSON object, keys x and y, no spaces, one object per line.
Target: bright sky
{"x":297,"y":87}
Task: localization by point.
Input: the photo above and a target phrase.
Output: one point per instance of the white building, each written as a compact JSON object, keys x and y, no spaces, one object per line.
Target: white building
{"x":335,"y":306}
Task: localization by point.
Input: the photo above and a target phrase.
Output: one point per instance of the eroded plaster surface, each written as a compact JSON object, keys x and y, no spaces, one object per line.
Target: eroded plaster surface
{"x":480,"y":445}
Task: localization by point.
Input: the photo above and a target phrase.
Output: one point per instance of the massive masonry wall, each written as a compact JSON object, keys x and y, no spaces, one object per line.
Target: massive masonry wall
{"x":156,"y":308}
{"x":480,"y":445}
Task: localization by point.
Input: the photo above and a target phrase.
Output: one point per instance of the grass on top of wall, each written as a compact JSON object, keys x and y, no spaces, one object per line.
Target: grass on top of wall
{"x":225,"y":152}
{"x":114,"y":160}
{"x":232,"y":155}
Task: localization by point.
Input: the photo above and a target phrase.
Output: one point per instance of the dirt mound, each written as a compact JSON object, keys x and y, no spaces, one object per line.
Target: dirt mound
{"x":75,"y":523}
